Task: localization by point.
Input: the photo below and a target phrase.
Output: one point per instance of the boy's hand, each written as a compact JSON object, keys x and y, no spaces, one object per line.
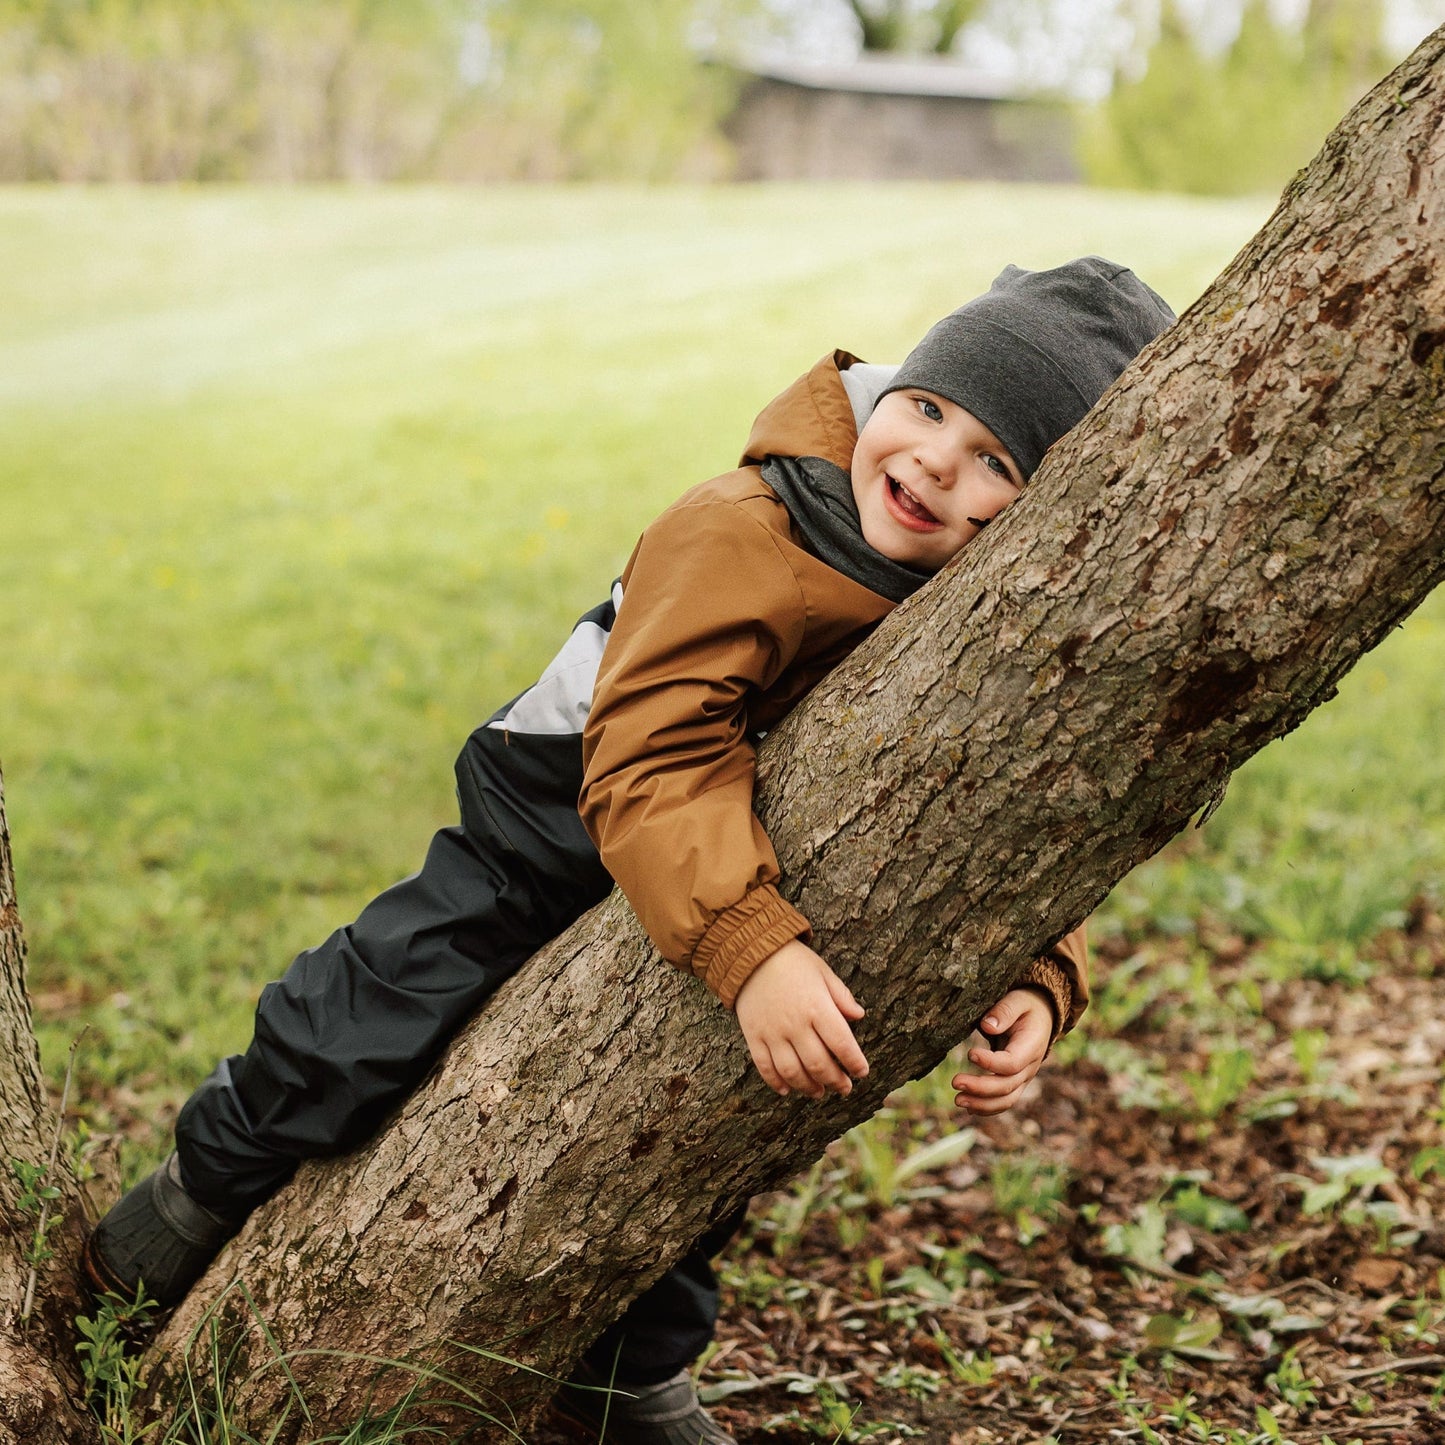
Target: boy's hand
{"x":1028,"y":1019}
{"x":794,"y":1012}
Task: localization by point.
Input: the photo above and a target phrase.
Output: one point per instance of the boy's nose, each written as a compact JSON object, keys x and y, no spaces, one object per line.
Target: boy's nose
{"x":936,"y":465}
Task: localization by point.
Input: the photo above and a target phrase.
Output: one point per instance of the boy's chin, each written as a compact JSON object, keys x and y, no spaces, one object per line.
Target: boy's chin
{"x":897,"y":550}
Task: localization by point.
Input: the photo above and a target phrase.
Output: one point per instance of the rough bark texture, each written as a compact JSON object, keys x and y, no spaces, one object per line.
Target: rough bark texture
{"x":39,"y":1384}
{"x":1255,"y":505}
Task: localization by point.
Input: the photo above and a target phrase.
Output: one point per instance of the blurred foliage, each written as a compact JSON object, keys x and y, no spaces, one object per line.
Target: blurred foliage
{"x":1242,"y":119}
{"x":604,"y":88}
{"x":306,"y":90}
{"x":173,"y":90}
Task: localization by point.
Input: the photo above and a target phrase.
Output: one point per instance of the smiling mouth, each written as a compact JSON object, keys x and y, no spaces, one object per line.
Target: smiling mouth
{"x":908,"y":508}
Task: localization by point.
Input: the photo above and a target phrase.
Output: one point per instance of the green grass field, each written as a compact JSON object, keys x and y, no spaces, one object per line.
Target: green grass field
{"x":298,"y":485}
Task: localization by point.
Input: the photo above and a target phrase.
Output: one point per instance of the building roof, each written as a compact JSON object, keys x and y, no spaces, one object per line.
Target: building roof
{"x":885,"y":75}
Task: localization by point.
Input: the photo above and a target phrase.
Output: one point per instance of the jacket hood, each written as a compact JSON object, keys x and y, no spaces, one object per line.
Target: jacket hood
{"x":812,"y":418}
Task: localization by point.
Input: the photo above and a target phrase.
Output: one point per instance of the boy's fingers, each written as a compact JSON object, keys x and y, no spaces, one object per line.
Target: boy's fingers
{"x":843,"y":996}
{"x":999,"y":1018}
{"x":987,"y":1106}
{"x":986,"y":1086}
{"x":838,"y":1039}
{"x":788,"y":1064}
{"x":763,"y":1063}
{"x":821,"y":1065}
{"x":1003,"y":1062}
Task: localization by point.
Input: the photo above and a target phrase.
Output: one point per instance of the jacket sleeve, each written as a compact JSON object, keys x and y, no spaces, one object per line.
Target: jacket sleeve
{"x":1063,"y":974}
{"x":710,"y":611}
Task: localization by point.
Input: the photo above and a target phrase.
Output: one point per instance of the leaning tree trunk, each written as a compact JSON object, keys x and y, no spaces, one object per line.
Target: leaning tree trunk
{"x":1254,"y":506}
{"x":39,"y":1382}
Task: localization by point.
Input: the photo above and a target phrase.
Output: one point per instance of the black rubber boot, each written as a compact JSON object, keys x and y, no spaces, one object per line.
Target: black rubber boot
{"x":156,"y":1234}
{"x":623,"y":1414}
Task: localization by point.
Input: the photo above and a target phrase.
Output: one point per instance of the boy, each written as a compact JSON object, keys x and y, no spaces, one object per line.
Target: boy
{"x":631,"y":759}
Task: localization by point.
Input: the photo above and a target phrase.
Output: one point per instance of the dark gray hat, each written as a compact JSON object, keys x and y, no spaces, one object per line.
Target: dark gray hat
{"x":1033,"y":354}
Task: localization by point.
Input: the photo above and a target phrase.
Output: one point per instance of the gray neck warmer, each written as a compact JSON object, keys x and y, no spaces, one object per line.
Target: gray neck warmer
{"x":819,"y":499}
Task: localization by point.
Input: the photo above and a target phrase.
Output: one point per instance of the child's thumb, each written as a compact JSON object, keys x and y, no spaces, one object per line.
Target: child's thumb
{"x":842,"y":995}
{"x":1000,"y":1017}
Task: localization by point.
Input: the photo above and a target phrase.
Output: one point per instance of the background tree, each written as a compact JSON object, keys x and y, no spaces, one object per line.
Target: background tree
{"x":916,"y":25}
{"x":39,"y":1375}
{"x":1241,"y":118}
{"x":310,"y":90}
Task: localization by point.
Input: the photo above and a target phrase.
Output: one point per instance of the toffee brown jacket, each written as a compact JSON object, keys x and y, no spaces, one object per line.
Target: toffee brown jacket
{"x":725,"y":622}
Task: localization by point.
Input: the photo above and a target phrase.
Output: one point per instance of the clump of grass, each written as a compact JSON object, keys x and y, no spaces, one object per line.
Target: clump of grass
{"x":109,"y":1350}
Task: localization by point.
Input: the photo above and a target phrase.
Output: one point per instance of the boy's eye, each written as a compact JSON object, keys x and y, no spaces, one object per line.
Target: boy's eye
{"x":930,"y":409}
{"x":997,"y":465}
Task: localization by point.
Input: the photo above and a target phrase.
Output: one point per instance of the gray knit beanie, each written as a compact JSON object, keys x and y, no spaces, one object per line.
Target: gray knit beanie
{"x":1032,"y":355}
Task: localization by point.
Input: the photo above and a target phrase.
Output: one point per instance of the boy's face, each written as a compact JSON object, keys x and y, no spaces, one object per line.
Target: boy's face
{"x":927,"y":477}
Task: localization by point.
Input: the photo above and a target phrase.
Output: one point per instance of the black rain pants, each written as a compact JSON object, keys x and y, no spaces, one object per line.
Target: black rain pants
{"x":345,"y":1036}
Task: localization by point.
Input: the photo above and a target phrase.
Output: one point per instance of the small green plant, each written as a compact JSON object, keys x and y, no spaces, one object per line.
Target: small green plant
{"x":1289,"y":1381}
{"x":35,"y":1196}
{"x":1428,"y":1314}
{"x":1128,"y":991}
{"x":1286,"y":959}
{"x":919,"y":1281}
{"x":1352,"y":1177}
{"x":1182,"y":1415}
{"x":1309,"y":1049}
{"x":1263,"y":1316}
{"x":1142,"y":1240}
{"x":38,"y":1192}
{"x":1431,"y":1159}
{"x":1185,"y":1335}
{"x":109,"y":1364}
{"x":1029,"y":1191}
{"x":956,"y":1265}
{"x":789,"y":1217}
{"x":1385,"y":1217}
{"x":758,"y":1287}
{"x":873,"y":1162}
{"x":835,"y":1420}
{"x":917,"y":1381}
{"x":851,"y":1227}
{"x":1132,"y":1409}
{"x":1226,"y":1075}
{"x":971,"y":1368}
{"x":1205,"y":1211}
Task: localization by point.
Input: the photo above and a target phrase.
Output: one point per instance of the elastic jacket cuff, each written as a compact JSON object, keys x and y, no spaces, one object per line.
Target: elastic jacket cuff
{"x":742,"y":936}
{"x":1045,"y":974}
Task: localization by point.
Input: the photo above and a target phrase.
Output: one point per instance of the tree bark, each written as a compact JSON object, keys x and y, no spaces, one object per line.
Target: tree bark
{"x":1248,"y":511}
{"x":39,"y":1382}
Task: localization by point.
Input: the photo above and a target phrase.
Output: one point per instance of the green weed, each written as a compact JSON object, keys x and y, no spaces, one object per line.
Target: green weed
{"x":972,"y":1368}
{"x":1288,"y":1380}
{"x":1225,"y":1077}
{"x":34,"y":1196}
{"x":1140,"y":1240}
{"x":835,"y":1420}
{"x":1351,"y":1177}
{"x":1029,"y":1191}
{"x":1205,"y":1211}
{"x":111,"y":1366}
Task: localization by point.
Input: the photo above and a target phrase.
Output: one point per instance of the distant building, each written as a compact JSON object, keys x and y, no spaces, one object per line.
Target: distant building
{"x":883,"y":117}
